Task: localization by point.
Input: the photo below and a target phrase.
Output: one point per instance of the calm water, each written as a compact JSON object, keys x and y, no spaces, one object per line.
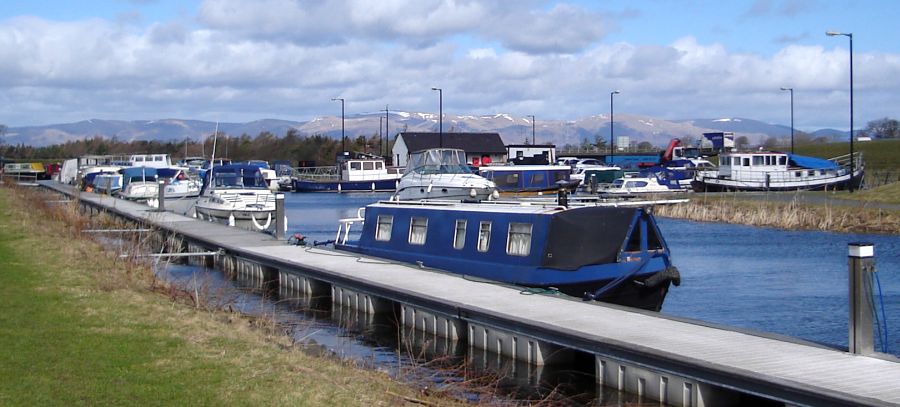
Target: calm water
{"x":785,"y":282}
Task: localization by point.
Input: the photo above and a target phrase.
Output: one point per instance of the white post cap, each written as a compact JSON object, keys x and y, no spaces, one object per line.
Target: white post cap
{"x":861,"y":249}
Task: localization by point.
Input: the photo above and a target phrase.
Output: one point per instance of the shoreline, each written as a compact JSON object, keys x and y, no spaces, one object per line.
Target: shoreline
{"x":792,"y":212}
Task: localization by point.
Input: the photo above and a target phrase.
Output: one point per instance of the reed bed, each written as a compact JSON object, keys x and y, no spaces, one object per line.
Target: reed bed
{"x":793,"y":214}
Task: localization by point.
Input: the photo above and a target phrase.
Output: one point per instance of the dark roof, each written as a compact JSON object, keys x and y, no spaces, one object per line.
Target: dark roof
{"x":468,"y":142}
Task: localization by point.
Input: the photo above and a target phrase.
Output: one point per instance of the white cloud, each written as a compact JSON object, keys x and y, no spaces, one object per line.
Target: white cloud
{"x":233,"y":70}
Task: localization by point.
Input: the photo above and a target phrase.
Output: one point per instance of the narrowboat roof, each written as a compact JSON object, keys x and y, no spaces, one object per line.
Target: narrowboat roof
{"x":525,"y":168}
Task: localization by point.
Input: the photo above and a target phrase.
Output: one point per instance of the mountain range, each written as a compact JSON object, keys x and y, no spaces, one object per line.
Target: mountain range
{"x":513,"y":130}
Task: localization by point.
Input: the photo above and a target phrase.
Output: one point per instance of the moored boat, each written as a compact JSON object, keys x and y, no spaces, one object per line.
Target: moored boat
{"x":237,"y":192}
{"x":776,"y":171}
{"x":139,"y":184}
{"x":442,"y":173}
{"x":180,"y":182}
{"x":607,"y":253}
{"x":350,"y":174}
{"x":529,"y":178}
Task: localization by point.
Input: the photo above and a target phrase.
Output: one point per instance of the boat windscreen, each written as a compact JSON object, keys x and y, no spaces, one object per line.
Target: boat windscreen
{"x":584,"y":236}
{"x":439,"y":161}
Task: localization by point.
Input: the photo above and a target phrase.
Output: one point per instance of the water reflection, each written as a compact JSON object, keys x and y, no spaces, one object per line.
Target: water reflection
{"x":379,"y":342}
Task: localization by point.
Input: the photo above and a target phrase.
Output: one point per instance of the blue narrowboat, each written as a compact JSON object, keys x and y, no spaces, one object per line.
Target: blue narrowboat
{"x":605,"y":253}
{"x":529,"y":178}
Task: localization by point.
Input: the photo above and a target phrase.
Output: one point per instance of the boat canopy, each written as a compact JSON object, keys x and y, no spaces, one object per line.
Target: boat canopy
{"x":590,"y":235}
{"x":812,"y":162}
{"x":438,"y":161}
{"x":238,"y":176}
{"x":138,"y":174}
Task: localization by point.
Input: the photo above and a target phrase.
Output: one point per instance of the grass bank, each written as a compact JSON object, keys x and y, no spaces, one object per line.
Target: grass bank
{"x":81,"y":327}
{"x":732,"y":208}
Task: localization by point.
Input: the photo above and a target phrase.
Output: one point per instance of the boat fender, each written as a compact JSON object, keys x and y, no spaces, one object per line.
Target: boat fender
{"x":668,"y":274}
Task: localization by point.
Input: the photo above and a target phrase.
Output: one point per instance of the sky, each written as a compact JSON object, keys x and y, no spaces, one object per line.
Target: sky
{"x":239,"y":60}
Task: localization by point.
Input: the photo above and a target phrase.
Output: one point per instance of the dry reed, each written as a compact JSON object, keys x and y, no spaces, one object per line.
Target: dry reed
{"x":792,"y":214}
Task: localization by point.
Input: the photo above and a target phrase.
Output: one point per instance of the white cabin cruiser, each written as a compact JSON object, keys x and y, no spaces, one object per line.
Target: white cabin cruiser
{"x":637,"y":186}
{"x":139,"y":183}
{"x":180,"y":183}
{"x":237,"y":192}
{"x":442,"y":173}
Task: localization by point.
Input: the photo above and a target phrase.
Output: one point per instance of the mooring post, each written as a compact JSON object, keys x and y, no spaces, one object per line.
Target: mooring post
{"x":279,"y":216}
{"x":861,"y":266}
{"x":161,"y":197}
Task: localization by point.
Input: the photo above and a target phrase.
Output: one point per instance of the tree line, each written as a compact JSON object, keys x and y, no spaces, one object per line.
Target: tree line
{"x":316,"y":149}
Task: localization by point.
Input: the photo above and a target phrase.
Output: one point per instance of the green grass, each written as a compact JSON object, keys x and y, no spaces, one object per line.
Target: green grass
{"x":886,"y":194}
{"x":78,"y":328}
{"x":878,"y":154}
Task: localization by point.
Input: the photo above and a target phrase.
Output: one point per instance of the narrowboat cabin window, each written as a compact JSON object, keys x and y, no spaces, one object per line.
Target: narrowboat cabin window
{"x":484,"y":236}
{"x":537,"y":179}
{"x":418,"y":226}
{"x":383,"y":231}
{"x":459,"y":237}
{"x":746,"y":161}
{"x":519,"y":239}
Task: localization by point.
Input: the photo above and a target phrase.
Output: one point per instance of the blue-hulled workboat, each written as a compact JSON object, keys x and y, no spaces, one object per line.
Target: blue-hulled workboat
{"x":613,"y":254}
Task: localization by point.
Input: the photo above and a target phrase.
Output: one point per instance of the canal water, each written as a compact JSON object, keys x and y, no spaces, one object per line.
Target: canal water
{"x":791,"y":283}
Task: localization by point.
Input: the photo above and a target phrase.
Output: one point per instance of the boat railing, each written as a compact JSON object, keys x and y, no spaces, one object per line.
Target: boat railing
{"x":544,"y":202}
{"x":844,"y":161}
{"x":344,"y":225}
{"x":327,"y":173}
{"x":20,"y":178}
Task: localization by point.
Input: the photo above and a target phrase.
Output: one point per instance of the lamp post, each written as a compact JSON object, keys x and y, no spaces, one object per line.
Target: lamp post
{"x":343,"y":146}
{"x":850,"y":36}
{"x":532,"y":129}
{"x":387,"y":131}
{"x":612,"y":123}
{"x":440,"y":116}
{"x":792,"y":117}
{"x":380,"y":136}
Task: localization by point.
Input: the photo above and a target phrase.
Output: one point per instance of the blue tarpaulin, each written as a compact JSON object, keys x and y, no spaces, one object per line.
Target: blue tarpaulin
{"x":811,"y":162}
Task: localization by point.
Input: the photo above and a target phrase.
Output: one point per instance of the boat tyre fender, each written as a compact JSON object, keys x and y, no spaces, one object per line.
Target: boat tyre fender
{"x":668,"y":274}
{"x":262,"y":227}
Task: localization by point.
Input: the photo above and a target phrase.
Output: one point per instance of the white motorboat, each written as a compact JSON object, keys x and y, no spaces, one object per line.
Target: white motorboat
{"x":637,"y":186}
{"x":442,"y":173}
{"x":237,"y":192}
{"x":139,"y":184}
{"x":180,"y":183}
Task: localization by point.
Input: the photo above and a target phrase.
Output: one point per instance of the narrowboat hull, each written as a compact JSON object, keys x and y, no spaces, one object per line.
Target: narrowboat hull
{"x":609,"y":254}
{"x":344,"y":186}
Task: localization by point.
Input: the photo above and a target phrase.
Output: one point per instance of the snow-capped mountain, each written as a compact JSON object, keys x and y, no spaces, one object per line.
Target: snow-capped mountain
{"x":513,"y":129}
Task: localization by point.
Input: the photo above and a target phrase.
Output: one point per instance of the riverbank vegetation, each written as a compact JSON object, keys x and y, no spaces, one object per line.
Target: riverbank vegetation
{"x":784,"y":214}
{"x":80,"y":326}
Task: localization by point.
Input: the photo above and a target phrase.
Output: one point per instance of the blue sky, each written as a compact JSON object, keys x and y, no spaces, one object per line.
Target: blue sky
{"x":241,"y":60}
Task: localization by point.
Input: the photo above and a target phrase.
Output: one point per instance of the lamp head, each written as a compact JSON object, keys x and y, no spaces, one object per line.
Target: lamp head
{"x":615,"y":92}
{"x":835,"y":33}
{"x":783,"y":88}
{"x":435,"y":89}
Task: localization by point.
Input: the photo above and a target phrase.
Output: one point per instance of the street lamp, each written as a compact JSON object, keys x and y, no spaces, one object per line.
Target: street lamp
{"x":441,"y":117}
{"x":850,"y":36}
{"x":792,"y":117}
{"x":532,"y":129}
{"x":612,"y":150}
{"x":343,"y":146}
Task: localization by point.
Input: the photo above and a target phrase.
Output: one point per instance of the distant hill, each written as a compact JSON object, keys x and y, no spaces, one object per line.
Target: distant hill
{"x":512,"y":129}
